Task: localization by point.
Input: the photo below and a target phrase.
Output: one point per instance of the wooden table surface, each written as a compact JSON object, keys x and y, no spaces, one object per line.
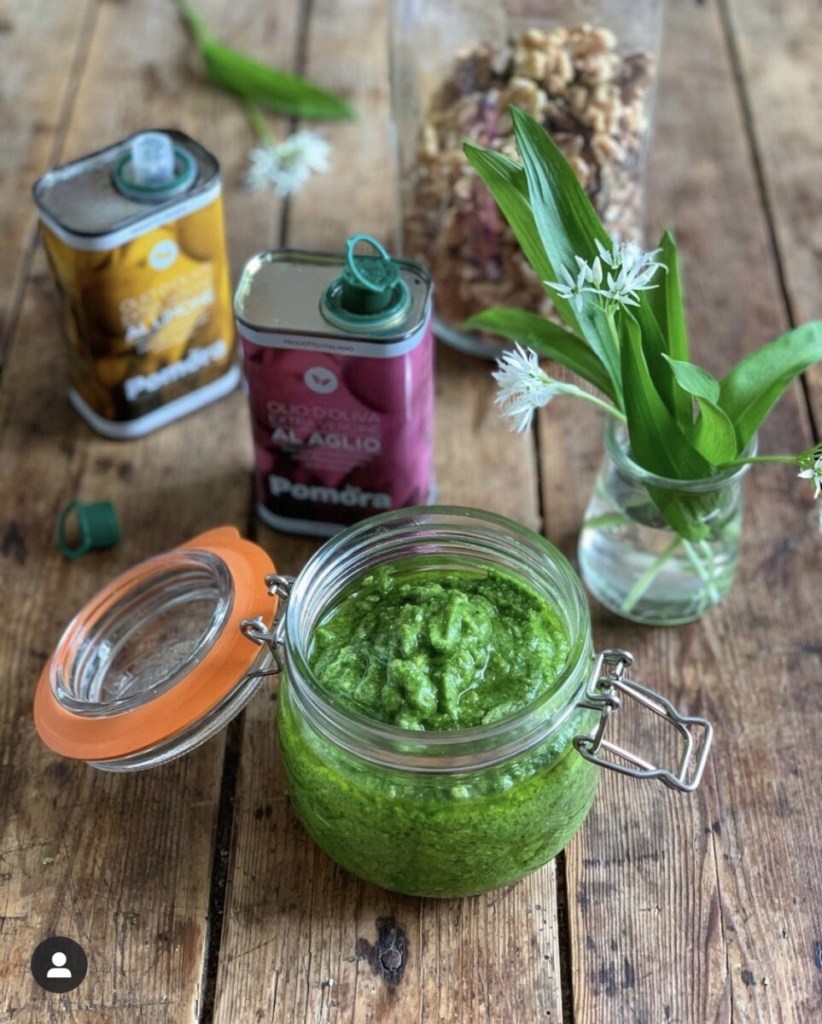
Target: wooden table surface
{"x":191,"y":887}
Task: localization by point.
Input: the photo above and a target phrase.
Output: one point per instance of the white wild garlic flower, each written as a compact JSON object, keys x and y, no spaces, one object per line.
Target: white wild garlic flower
{"x":810,"y":463}
{"x":525,"y":387}
{"x":287,"y":165}
{"x":615,"y":275}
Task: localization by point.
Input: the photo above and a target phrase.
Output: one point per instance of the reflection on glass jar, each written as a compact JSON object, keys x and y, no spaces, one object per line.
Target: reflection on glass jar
{"x":583,"y":68}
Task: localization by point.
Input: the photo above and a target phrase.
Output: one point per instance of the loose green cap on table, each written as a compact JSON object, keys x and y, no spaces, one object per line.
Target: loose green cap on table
{"x":370,"y":294}
{"x":83,"y":528}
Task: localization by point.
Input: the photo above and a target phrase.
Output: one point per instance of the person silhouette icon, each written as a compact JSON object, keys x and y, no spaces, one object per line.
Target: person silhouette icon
{"x":59,"y":970}
{"x":59,"y":964}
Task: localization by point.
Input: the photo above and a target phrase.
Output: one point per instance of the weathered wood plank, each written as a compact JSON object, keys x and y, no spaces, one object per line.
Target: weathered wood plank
{"x":35,"y":96}
{"x":120,"y":863}
{"x":777,"y":47}
{"x":700,"y":909}
{"x":297,"y":928}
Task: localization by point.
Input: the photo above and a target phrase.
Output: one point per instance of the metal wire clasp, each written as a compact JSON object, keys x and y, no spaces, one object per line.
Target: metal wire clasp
{"x":606,"y":689}
{"x":257,"y":631}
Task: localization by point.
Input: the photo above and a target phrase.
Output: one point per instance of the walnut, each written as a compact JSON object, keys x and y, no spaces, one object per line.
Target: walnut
{"x":530,"y":63}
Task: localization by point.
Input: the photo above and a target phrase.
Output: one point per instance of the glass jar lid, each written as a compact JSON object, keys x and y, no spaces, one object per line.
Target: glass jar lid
{"x":156,"y":663}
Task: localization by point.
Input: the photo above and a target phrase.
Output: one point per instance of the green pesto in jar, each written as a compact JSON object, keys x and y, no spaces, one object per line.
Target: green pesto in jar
{"x":440,"y":649}
{"x":435,"y":650}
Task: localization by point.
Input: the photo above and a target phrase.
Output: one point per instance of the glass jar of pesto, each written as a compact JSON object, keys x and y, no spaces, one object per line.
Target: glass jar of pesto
{"x":441,"y":712}
{"x":442,"y":716}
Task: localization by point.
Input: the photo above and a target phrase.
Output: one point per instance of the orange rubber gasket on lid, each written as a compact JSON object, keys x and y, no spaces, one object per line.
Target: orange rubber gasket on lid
{"x":190,"y":699}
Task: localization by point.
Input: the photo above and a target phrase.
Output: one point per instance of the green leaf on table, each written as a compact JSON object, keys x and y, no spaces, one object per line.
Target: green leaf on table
{"x":258,"y":82}
{"x":750,"y":390}
{"x":546,"y":338}
{"x":285,"y":93}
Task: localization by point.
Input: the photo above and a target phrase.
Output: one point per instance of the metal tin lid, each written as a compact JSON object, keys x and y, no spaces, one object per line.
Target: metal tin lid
{"x":281,"y":293}
{"x":80,"y":203}
{"x":157,"y":662}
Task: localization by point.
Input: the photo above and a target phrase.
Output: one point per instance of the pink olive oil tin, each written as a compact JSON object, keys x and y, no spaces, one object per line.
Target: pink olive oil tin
{"x":339,"y":361}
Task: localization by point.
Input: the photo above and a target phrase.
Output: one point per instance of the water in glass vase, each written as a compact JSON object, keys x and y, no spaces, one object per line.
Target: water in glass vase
{"x":649,"y":573}
{"x":636,"y":564}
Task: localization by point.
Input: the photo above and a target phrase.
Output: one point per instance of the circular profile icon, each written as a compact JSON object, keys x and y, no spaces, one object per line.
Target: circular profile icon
{"x":59,"y":964}
{"x":321,"y":380}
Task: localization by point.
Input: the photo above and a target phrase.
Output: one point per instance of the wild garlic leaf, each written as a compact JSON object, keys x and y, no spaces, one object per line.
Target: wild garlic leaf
{"x":547,"y":339}
{"x":505,"y":180}
{"x":285,"y":93}
{"x":665,"y":302}
{"x":567,"y":225}
{"x":656,"y":440}
{"x":713,"y":434}
{"x":658,"y":444}
{"x":750,"y":390}
{"x":694,"y":379}
{"x":258,"y":82}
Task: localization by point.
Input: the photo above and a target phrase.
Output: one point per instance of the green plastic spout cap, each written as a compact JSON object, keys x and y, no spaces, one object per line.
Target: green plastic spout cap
{"x":369,"y":283}
{"x":83,"y":528}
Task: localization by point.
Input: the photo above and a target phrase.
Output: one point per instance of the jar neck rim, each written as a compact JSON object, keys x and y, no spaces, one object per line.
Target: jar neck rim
{"x":618,"y":447}
{"x":452,"y":530}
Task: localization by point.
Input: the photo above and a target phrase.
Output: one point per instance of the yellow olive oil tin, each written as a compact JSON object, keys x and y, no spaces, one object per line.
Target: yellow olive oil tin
{"x":135,"y":238}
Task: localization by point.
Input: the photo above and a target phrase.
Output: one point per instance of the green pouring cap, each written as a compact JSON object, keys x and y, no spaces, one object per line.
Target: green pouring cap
{"x":369,"y":293}
{"x":368,"y":282}
{"x":83,"y":528}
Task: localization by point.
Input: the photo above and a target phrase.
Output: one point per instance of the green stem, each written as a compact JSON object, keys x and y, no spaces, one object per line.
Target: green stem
{"x":606,"y":519}
{"x":611,"y":409}
{"x":610,"y":318}
{"x":195,"y":23}
{"x":704,"y":570}
{"x":258,"y":123}
{"x":757,"y":458}
{"x":650,"y":574}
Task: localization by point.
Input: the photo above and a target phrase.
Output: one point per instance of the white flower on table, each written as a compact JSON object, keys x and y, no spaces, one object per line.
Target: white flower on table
{"x":287,"y":165}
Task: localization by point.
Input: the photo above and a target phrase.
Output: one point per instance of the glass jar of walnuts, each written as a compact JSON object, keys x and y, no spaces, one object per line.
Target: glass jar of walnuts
{"x":583,"y":68}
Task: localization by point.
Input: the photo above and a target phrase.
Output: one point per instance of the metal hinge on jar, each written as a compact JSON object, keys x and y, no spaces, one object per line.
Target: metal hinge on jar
{"x":607,"y":688}
{"x":258,"y":632}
